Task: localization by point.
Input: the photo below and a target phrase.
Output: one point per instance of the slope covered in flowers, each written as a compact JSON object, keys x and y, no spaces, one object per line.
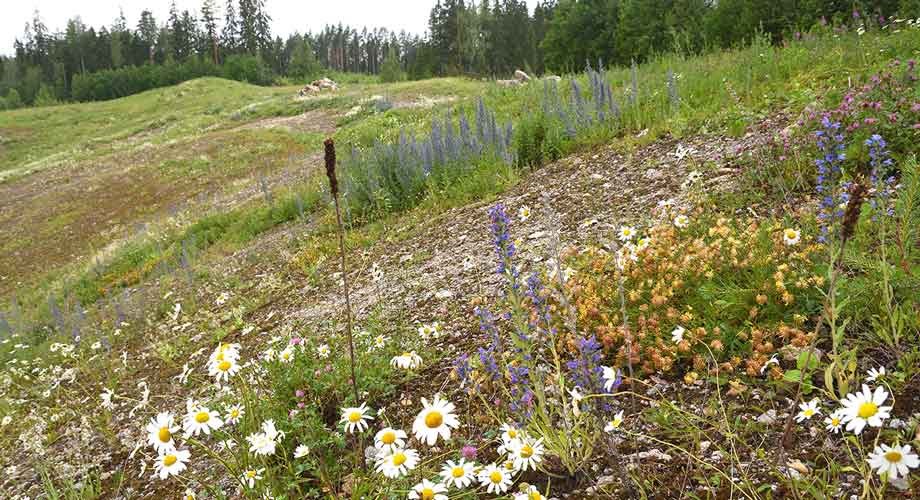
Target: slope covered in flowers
{"x":698,"y":316}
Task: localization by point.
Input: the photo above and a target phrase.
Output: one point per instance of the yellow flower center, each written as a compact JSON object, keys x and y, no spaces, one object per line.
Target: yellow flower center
{"x":790,"y":234}
{"x":893,"y":456}
{"x":399,"y":459}
{"x":534,"y":495}
{"x":250,"y":474}
{"x":526,"y":451}
{"x":427,"y":494}
{"x":809,"y":412}
{"x":164,"y":434}
{"x":509,"y":465}
{"x":434,"y":419}
{"x":835,"y":421}
{"x":388,"y":437}
{"x":168,"y":460}
{"x":867,"y":409}
{"x":406,"y":355}
{"x":224,"y":366}
{"x":234,"y":413}
{"x":354,"y":417}
{"x":512,"y":433}
{"x":220,"y":356}
{"x":457,"y":472}
{"x":202,"y":417}
{"x":495,"y":477}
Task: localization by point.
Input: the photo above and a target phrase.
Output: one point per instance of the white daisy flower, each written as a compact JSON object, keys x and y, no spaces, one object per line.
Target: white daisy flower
{"x":791,"y":236}
{"x":808,"y":410}
{"x":355,"y":418}
{"x":611,"y":376}
{"x":643,"y":243}
{"x":432,"y":330}
{"x":223,"y":370}
{"x":261,"y":444}
{"x":627,"y":233}
{"x":426,"y":490}
{"x":896,"y":461}
{"x":876,"y":373}
{"x":323,"y":351}
{"x":495,"y":479}
{"x":406,"y":361}
{"x":524,"y":213}
{"x":435,"y":420}
{"x":268,"y":427}
{"x":301,"y":451}
{"x":379,"y":342}
{"x":233,"y":414}
{"x":458,"y":474}
{"x":677,"y":334}
{"x":681,"y":221}
{"x":511,"y":433}
{"x":396,"y":463}
{"x":526,"y":453}
{"x":530,"y":493}
{"x":615,"y":423}
{"x":286,"y":355}
{"x":160,"y":432}
{"x":171,"y":463}
{"x":225,"y":352}
{"x":201,"y":419}
{"x":390,"y":439}
{"x":865,"y":408}
{"x":250,"y":477}
{"x":834,"y":422}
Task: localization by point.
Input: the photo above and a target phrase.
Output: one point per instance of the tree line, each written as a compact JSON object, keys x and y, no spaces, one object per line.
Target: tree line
{"x":464,"y":37}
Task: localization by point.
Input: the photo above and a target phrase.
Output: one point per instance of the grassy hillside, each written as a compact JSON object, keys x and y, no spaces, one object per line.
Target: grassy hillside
{"x":666,"y":222}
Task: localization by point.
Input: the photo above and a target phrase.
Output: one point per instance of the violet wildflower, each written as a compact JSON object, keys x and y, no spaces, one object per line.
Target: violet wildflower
{"x":488,"y":356}
{"x":534,"y":292}
{"x":504,"y":246}
{"x":461,"y":367}
{"x":586,"y":370}
{"x":468,"y":452}
{"x":830,"y":170}
{"x":880,"y":161}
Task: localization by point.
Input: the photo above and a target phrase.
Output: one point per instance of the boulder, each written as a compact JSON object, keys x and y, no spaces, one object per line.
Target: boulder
{"x":317,"y":86}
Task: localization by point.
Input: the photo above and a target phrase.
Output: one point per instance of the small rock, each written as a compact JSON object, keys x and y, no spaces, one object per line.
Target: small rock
{"x":521,"y":76}
{"x":443,"y":294}
{"x":767,"y":418}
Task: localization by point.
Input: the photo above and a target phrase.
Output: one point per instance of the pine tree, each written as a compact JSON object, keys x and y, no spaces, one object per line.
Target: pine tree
{"x":147,"y":32}
{"x":209,"y":23}
{"x":230,"y":35}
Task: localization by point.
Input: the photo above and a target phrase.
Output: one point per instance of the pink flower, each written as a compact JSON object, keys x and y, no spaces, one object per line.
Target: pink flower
{"x":916,"y":107}
{"x":299,"y":393}
{"x":468,"y":452}
{"x":296,"y":341}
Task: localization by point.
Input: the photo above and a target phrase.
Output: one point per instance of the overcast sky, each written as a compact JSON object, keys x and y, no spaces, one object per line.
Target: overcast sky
{"x":287,"y":15}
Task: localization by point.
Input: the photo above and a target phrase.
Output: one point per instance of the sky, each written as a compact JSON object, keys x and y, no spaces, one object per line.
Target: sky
{"x":287,"y":16}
